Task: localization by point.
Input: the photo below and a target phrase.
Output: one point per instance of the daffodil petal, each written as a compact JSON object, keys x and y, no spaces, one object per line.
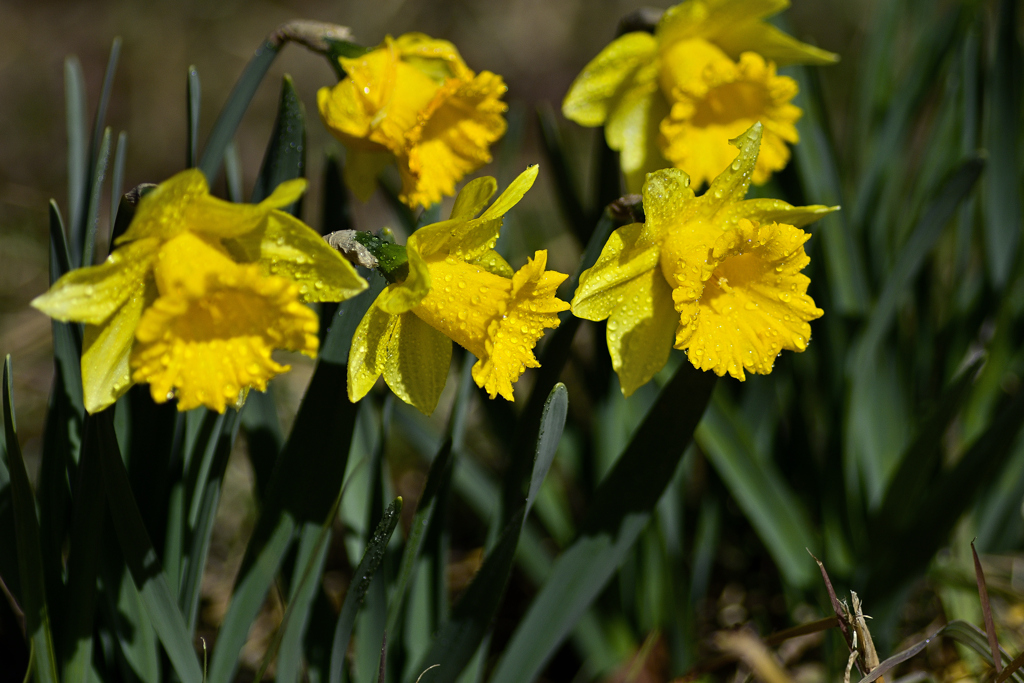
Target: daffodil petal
{"x":735,"y":10}
{"x":214,"y":217}
{"x":769,"y":210}
{"x":474,"y":238}
{"x":512,"y":194}
{"x":91,"y":295}
{"x":369,"y":348}
{"x":667,"y":200}
{"x":417,"y":361}
{"x":436,"y":238}
{"x":438,"y":58}
{"x":473,"y":198}
{"x":738,"y":26}
{"x":732,"y":184}
{"x":106,"y":350}
{"x":285,"y":194}
{"x":773,"y":44}
{"x":380,"y":100}
{"x":634,"y":130}
{"x":591,"y":94}
{"x":163,"y":211}
{"x":493,"y":262}
{"x":283,"y":245}
{"x":625,"y":256}
{"x":400,"y":298}
{"x":343,"y":115}
{"x":712,"y":18}
{"x":681,"y":22}
{"x":452,"y":137}
{"x":641,"y":330}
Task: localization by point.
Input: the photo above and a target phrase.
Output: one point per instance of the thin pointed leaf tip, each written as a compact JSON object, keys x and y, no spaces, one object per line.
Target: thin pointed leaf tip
{"x":456,"y":287}
{"x":197,"y":295}
{"x":717,"y":276}
{"x":413,"y":100}
{"x":676,"y":98}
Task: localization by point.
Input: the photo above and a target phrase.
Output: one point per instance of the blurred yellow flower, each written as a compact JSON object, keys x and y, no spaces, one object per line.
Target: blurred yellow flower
{"x":192,"y":276}
{"x":457,"y":289}
{"x":706,"y":75}
{"x":413,"y":100}
{"x":715,"y":275}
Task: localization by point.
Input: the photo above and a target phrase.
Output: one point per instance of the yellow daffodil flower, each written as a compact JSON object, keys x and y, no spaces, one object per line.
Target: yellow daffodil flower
{"x":717,"y":276}
{"x":413,"y":100}
{"x":676,"y":98}
{"x":457,"y":289}
{"x":197,"y":294}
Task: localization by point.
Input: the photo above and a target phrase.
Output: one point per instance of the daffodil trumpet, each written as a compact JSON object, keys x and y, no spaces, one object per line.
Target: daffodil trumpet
{"x":717,"y":276}
{"x":197,"y":295}
{"x":453,"y":286}
{"x":675,"y":97}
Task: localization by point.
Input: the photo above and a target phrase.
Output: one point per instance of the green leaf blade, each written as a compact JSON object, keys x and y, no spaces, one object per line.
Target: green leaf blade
{"x":30,"y":558}
{"x":620,"y":509}
{"x":147,"y":574}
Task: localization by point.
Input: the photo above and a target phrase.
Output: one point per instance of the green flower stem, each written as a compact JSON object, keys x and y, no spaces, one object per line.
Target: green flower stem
{"x":317,"y":36}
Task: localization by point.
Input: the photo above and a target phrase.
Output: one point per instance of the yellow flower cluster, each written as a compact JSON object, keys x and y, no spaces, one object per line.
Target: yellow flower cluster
{"x":414,"y":101}
{"x":676,"y":98}
{"x":198,"y":294}
{"x":715,"y":275}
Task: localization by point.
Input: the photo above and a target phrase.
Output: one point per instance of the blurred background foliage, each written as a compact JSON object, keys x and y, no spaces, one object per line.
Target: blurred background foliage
{"x":883,"y":449}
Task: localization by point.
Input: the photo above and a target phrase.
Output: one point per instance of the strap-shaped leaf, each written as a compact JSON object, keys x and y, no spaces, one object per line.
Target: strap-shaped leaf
{"x":913,"y":254}
{"x":919,"y":465}
{"x":78,"y":162}
{"x":202,"y":512}
{"x":552,"y":361}
{"x":117,"y":180}
{"x":285,"y":157}
{"x":458,"y":638}
{"x":193,"y":97}
{"x":1002,"y":184}
{"x":819,"y":176}
{"x":906,"y":101}
{"x":62,"y":432}
{"x":336,"y":214}
{"x":263,"y":435}
{"x":562,"y":173}
{"x":440,"y":469}
{"x":319,"y":442}
{"x":30,"y":558}
{"x":951,"y":494}
{"x":238,"y":101}
{"x":360,"y":584}
{"x":96,"y":164}
{"x":760,"y":490}
{"x":141,"y":558}
{"x":84,"y":553}
{"x":617,"y":514}
{"x":92,"y":216}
